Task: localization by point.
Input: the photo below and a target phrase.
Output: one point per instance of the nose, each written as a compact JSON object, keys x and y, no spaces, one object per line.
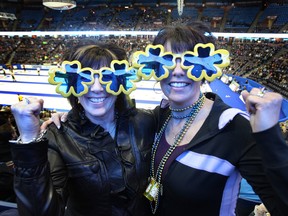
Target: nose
{"x":178,"y":70}
{"x":97,"y":86}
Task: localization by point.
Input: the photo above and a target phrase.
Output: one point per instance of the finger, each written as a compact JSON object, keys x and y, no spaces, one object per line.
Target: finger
{"x":252,"y":99}
{"x":45,"y":124}
{"x":56,"y":119}
{"x":36,"y":106}
{"x":64,"y":117}
{"x":245,"y":94}
{"x":30,"y":105}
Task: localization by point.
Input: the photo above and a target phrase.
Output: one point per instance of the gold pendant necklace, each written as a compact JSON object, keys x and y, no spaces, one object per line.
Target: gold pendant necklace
{"x":154,"y":188}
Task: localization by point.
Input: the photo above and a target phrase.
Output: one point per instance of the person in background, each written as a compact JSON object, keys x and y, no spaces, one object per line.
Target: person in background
{"x":20,"y":97}
{"x":97,"y":163}
{"x":284,"y":128}
{"x":38,"y":71}
{"x":2,"y":70}
{"x":24,"y":68}
{"x":12,"y":73}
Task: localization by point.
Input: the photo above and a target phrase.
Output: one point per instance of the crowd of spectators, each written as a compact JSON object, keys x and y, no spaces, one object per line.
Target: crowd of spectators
{"x":227,"y":18}
{"x":264,"y":61}
{"x":260,"y":60}
{"x":272,"y":72}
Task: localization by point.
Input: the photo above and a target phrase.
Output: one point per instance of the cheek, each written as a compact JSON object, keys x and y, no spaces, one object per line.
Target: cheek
{"x":164,"y":84}
{"x":82,"y":102}
{"x":112,"y":99}
{"x":80,"y":99}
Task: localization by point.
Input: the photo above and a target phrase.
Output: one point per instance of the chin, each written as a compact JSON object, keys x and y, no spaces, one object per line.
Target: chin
{"x":94,"y":111}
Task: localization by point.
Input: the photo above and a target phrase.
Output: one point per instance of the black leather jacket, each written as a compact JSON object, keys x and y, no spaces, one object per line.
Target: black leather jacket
{"x":91,"y":173}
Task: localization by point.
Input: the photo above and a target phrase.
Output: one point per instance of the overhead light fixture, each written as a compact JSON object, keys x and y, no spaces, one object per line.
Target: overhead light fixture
{"x":59,"y":4}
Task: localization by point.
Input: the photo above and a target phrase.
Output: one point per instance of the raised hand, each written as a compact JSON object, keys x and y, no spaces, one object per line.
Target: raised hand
{"x":26,"y":114}
{"x":264,"y":108}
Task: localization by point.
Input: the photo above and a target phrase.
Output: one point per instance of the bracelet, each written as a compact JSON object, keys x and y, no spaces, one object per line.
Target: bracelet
{"x":36,"y":139}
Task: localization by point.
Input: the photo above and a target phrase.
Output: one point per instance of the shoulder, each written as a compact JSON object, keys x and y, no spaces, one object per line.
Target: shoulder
{"x":231,"y":114}
{"x":142,"y":116}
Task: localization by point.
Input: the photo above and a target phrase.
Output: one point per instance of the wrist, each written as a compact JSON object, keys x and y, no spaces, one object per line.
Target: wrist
{"x":25,"y":140}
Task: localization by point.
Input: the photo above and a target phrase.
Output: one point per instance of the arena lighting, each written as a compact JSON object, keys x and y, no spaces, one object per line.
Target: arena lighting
{"x":60,"y":4}
{"x":135,"y":33}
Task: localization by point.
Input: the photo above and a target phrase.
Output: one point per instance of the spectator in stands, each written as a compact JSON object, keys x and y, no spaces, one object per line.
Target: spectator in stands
{"x":284,"y":128}
{"x":97,"y":163}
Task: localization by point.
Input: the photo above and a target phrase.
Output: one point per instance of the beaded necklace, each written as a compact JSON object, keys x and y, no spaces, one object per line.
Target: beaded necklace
{"x":155,"y":188}
{"x":185,"y":108}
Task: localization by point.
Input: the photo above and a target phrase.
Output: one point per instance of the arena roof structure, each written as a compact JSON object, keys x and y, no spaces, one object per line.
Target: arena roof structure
{"x":131,"y":3}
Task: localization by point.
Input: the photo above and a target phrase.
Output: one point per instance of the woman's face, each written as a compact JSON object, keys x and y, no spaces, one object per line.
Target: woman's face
{"x":97,"y":102}
{"x":178,"y":88}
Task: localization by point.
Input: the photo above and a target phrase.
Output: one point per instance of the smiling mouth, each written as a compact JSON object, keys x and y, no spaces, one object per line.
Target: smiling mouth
{"x":178,"y":84}
{"x":96,"y":100}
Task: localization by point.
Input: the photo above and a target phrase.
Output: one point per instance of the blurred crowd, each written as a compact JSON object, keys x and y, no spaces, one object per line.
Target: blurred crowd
{"x":129,"y":17}
{"x":264,"y":61}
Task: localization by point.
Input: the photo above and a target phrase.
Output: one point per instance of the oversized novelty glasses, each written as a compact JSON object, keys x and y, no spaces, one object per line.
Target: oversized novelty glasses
{"x":203,"y":63}
{"x":70,"y":78}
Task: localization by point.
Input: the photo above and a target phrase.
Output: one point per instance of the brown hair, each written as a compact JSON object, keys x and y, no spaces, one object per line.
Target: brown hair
{"x":184,"y":37}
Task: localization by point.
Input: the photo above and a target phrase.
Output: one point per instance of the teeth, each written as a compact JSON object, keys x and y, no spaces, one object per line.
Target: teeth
{"x":177,"y":84}
{"x":96,"y":100}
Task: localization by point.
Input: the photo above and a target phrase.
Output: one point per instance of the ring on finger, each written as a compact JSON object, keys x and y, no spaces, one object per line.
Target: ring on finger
{"x":260,"y":94}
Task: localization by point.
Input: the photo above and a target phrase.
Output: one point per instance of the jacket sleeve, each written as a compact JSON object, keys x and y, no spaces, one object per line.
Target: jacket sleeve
{"x":274,"y":152}
{"x":252,"y":167}
{"x":33,"y":185}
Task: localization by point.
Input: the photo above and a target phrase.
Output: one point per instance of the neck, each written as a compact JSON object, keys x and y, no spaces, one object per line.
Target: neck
{"x":185,"y":112}
{"x":108,"y":122}
{"x":184,"y":105}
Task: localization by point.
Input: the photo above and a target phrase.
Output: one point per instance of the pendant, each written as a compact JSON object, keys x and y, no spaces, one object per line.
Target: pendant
{"x":152,"y":190}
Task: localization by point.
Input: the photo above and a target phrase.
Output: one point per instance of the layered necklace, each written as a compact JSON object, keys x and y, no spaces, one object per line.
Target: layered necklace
{"x":154,"y":188}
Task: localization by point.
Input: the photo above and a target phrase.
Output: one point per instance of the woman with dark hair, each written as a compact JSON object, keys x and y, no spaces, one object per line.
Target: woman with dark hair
{"x":98,"y":161}
{"x":203,"y":146}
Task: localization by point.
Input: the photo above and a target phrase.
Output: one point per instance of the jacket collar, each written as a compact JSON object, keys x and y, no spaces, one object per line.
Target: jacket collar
{"x":210,"y":125}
